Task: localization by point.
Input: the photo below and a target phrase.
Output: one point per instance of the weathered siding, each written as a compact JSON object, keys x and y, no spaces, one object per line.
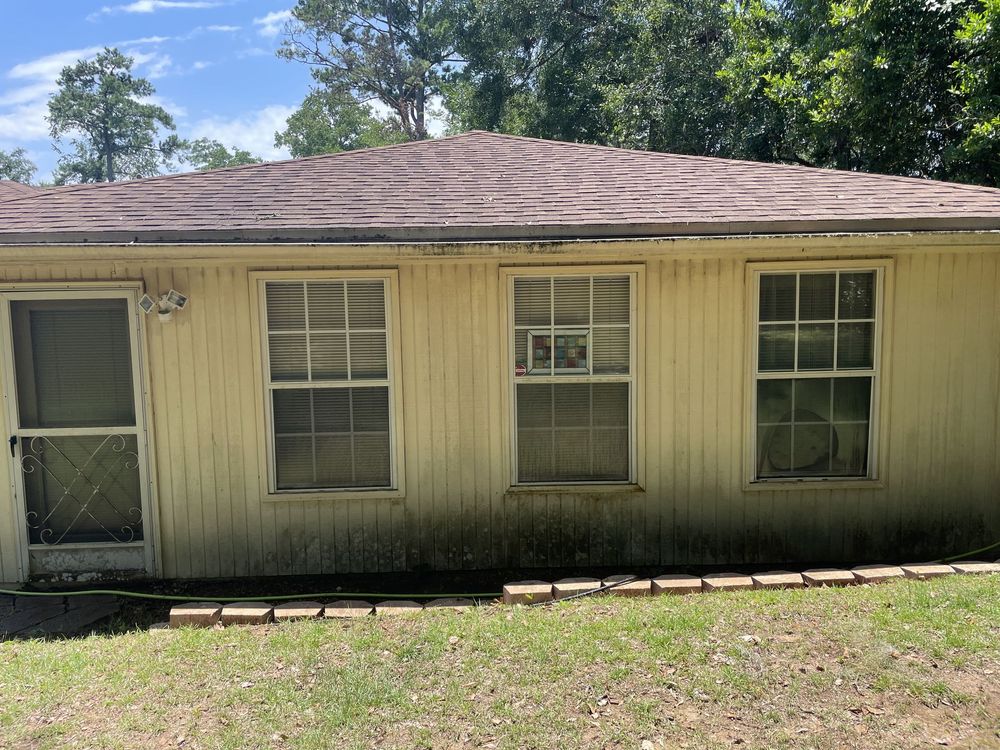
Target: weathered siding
{"x":939,"y":466}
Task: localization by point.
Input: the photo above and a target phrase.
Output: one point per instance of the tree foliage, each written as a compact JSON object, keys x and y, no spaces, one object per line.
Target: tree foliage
{"x":908,"y":87}
{"x":633,"y":74}
{"x":113,"y":129}
{"x":204,"y":154}
{"x":397,"y":52}
{"x":978,"y":71}
{"x":330,"y":120}
{"x":15,"y":165}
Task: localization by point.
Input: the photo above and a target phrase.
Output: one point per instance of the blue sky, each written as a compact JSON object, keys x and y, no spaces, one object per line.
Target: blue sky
{"x":212,"y":63}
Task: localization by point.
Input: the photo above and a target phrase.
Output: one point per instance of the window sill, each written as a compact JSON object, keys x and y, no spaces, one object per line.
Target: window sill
{"x":784,"y":485}
{"x":574,"y":489}
{"x":332,"y":495}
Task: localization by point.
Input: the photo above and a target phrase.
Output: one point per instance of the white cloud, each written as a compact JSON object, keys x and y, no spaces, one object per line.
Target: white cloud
{"x":151,"y":6}
{"x":49,"y":67}
{"x":24,"y":106}
{"x":24,"y":123}
{"x":273,"y":23}
{"x":144,"y":40}
{"x":253,"y":131}
{"x":223,"y":28}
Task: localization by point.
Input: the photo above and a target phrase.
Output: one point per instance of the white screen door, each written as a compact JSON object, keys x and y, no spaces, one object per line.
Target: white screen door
{"x":78,"y":444}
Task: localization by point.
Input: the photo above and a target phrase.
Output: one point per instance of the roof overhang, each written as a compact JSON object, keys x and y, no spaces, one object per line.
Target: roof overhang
{"x":749,"y":246}
{"x":519,"y":233}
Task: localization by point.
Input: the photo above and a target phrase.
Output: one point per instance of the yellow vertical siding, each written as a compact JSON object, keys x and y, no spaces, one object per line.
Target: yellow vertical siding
{"x":939,"y":467}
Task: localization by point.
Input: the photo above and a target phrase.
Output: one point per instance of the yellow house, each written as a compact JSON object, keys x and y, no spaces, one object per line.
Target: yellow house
{"x":487,"y":351}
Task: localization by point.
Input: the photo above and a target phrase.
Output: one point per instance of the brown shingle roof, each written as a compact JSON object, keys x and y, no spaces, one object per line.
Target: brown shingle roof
{"x":10,"y":189}
{"x":487,"y":186}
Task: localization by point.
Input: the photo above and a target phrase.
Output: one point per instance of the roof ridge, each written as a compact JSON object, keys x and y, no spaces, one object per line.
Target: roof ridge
{"x":750,"y":162}
{"x":75,"y":188}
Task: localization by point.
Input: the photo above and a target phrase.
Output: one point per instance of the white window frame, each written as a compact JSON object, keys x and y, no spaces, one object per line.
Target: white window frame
{"x":878,"y":372}
{"x":635,"y":273}
{"x":390,"y":280}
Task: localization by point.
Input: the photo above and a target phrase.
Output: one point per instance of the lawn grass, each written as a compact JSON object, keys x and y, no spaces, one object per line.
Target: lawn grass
{"x":903,"y":665}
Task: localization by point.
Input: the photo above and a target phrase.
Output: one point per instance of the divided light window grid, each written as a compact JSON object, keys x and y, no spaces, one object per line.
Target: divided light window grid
{"x":815,"y":373}
{"x":573,"y":378}
{"x":328,"y":383}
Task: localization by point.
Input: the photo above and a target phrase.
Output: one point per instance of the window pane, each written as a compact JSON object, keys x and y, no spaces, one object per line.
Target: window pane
{"x":777,"y":348}
{"x":611,"y":351}
{"x":371,"y":464}
{"x":371,"y":409}
{"x":611,"y":407}
{"x":347,"y":440}
{"x":812,"y":399}
{"x":806,"y":442}
{"x":292,"y":410}
{"x":572,"y":405}
{"x":326,"y":304}
{"x":852,"y":399}
{"x":851,"y":458}
{"x":774,"y":446}
{"x":334,"y":462}
{"x":365,"y":304}
{"x":816,"y":346}
{"x":572,"y":301}
{"x":533,"y":301}
{"x":293,"y":462}
{"x":368,"y":356}
{"x":588,"y":440}
{"x":817,"y":296}
{"x":777,"y":297}
{"x":286,"y":309}
{"x":328,"y":352}
{"x":855,"y":345}
{"x":73,"y":361}
{"x":534,"y":405}
{"x":774,"y":401}
{"x":287,"y":356}
{"x":331,"y":409}
{"x":611,"y":299}
{"x":857,"y":295}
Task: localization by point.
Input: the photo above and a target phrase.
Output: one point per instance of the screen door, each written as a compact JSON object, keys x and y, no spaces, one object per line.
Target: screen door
{"x":79,"y":444}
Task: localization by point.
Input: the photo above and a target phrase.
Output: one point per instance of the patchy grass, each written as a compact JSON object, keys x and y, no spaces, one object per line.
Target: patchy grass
{"x":903,"y":665}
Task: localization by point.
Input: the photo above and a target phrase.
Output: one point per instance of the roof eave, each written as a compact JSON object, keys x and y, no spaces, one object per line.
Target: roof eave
{"x":509,"y":233}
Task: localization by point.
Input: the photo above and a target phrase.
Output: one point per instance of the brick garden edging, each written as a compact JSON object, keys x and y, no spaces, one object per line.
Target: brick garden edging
{"x":210,"y":614}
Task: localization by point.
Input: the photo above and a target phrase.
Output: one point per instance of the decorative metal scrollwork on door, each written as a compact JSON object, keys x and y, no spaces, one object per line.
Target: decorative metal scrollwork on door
{"x":82,"y":488}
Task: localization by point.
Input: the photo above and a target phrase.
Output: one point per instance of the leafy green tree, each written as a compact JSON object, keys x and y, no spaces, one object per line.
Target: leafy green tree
{"x":977,"y":153}
{"x":397,"y":52}
{"x":857,"y":84}
{"x":329,"y":121}
{"x":204,"y":154}
{"x":15,"y":165}
{"x":531,"y":68}
{"x":637,"y":74}
{"x":113,"y":129}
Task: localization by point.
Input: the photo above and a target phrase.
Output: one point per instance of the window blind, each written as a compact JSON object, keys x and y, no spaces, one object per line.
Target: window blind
{"x":579,"y":327}
{"x":74,"y":363}
{"x":328,"y":369}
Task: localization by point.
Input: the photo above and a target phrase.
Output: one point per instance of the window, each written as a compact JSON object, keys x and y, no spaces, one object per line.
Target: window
{"x":573,"y":378}
{"x":816,"y":373}
{"x":328,"y":382}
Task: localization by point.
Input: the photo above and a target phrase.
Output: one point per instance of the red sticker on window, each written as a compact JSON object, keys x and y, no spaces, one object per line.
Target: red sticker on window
{"x":520,"y":370}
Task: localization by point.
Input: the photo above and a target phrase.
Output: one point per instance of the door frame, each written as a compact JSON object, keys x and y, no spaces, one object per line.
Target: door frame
{"x":130,"y":291}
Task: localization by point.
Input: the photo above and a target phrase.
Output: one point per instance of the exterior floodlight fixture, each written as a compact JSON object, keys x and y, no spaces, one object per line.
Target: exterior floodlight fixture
{"x":165,"y":305}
